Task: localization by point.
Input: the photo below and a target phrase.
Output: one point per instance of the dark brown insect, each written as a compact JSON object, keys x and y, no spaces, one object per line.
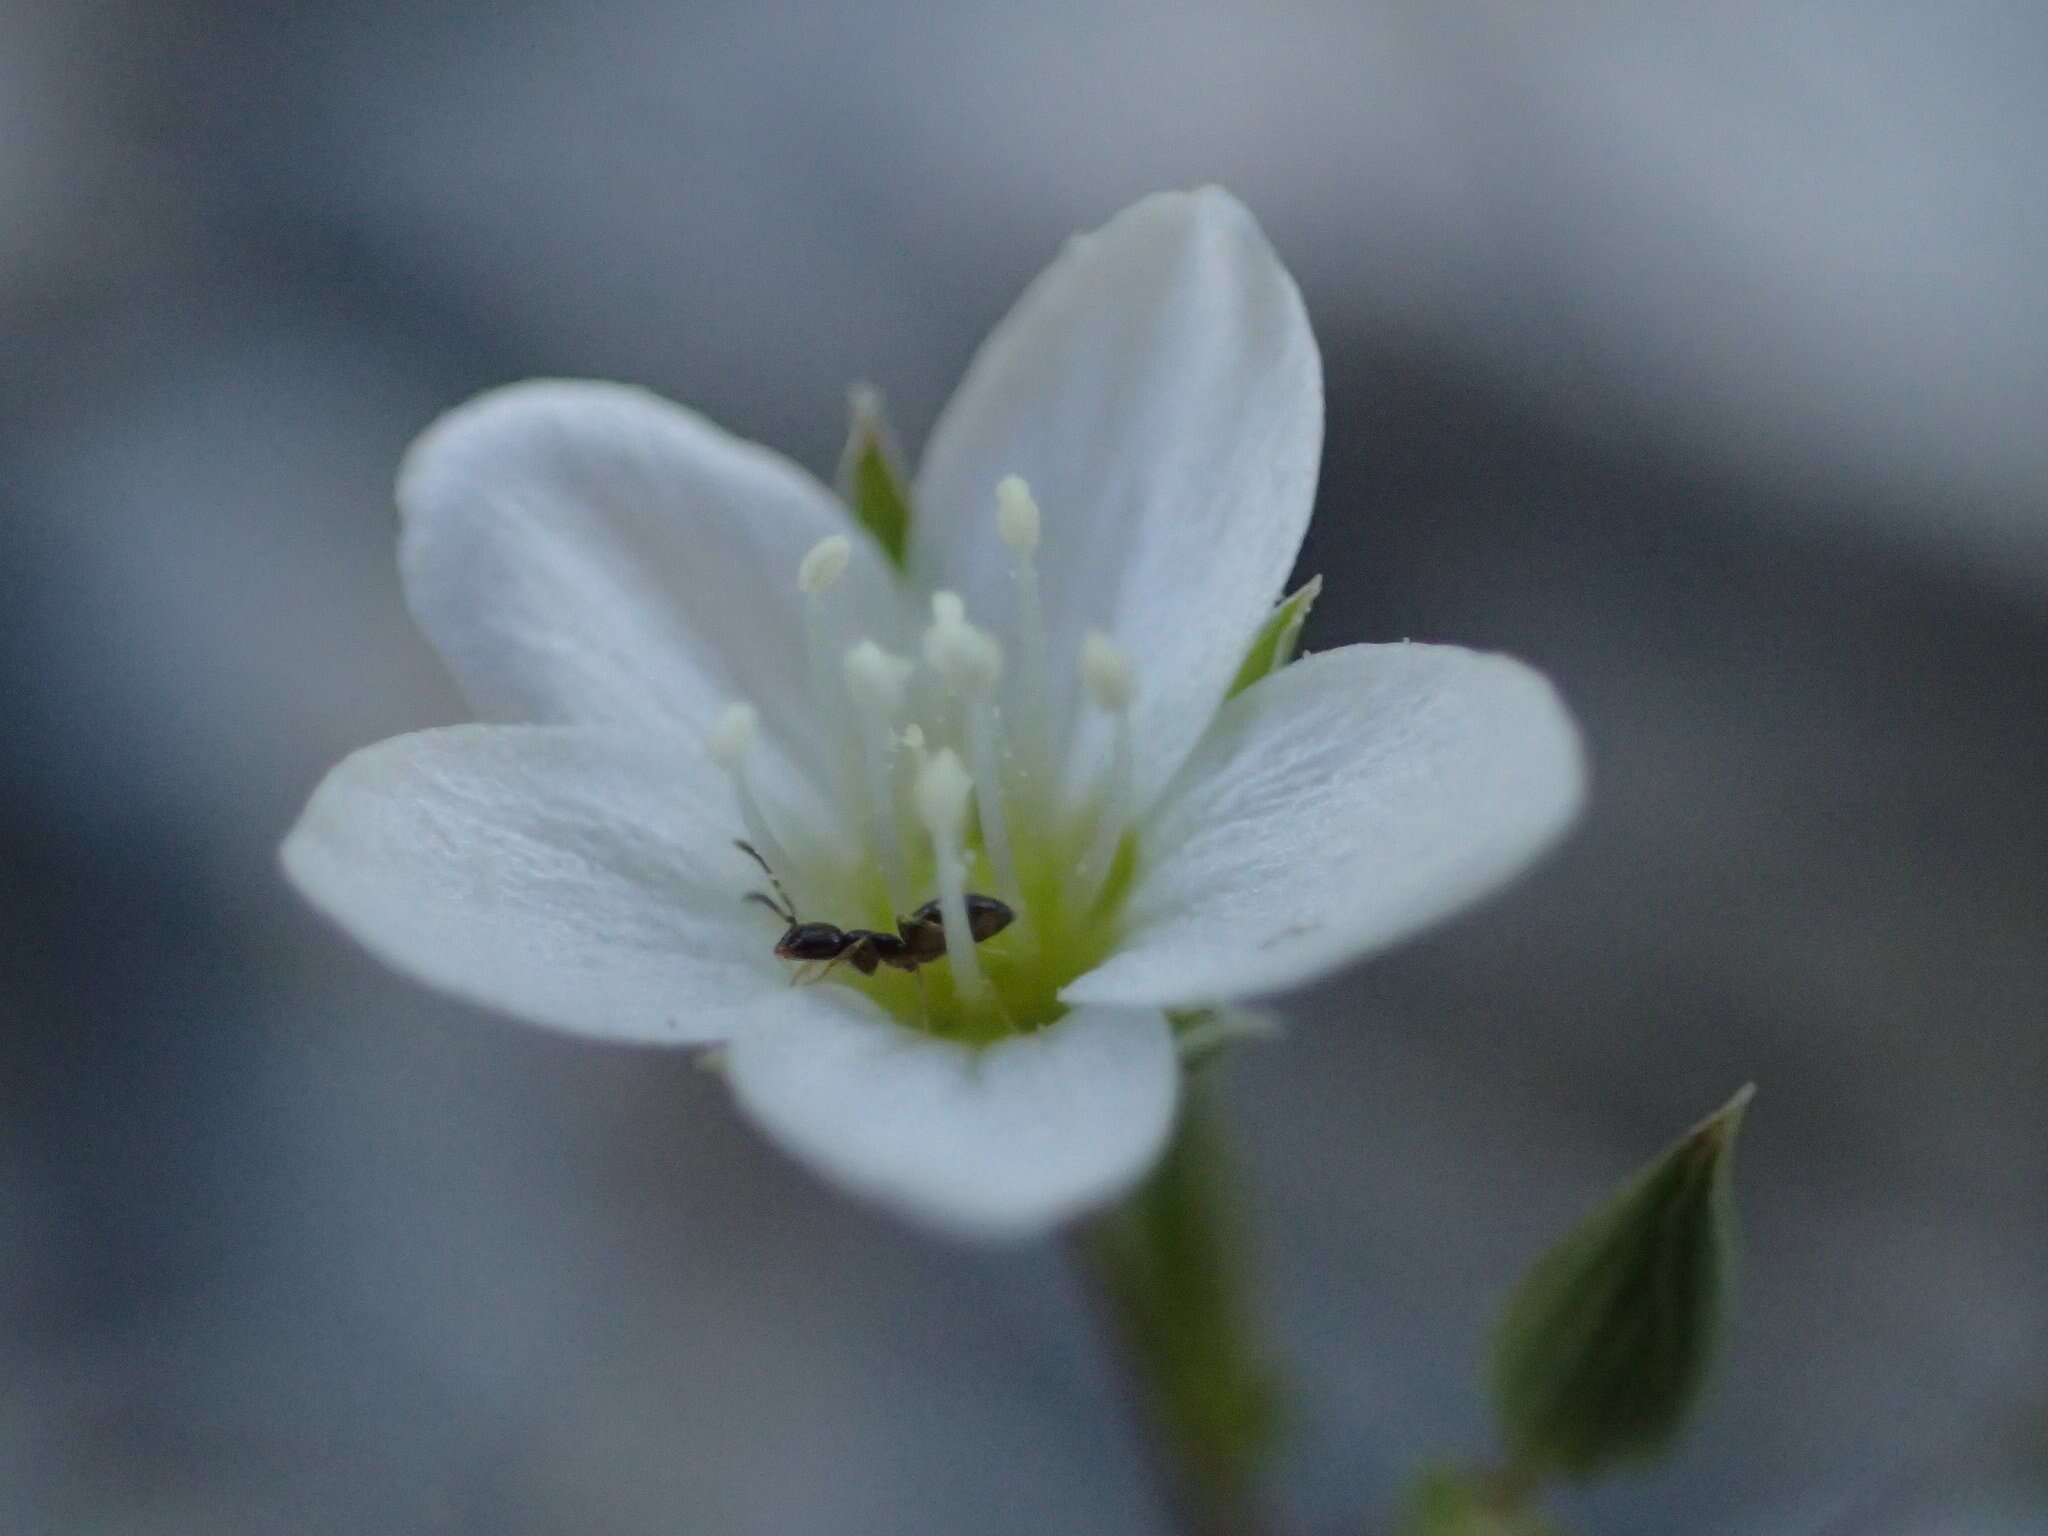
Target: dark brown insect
{"x":918,"y":940}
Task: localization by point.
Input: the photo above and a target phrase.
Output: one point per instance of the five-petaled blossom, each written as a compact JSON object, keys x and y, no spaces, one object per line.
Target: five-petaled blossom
{"x":686,"y":642}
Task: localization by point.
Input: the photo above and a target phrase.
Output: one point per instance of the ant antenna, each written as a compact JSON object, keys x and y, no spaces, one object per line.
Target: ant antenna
{"x":773,"y":906}
{"x":787,"y":910}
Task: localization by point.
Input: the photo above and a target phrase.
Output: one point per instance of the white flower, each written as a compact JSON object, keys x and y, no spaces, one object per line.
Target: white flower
{"x":690,"y":642}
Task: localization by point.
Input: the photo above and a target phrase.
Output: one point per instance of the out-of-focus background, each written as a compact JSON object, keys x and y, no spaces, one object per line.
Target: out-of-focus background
{"x":1697,"y":353}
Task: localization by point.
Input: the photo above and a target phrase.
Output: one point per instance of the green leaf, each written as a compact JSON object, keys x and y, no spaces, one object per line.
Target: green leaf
{"x":1603,"y":1351}
{"x":871,"y":478}
{"x":1279,"y":638}
{"x":1448,"y":1503}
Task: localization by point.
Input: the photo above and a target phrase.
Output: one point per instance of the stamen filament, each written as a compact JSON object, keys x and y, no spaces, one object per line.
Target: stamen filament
{"x":816,"y":575}
{"x":920,"y":755}
{"x":876,"y":680}
{"x":970,"y":664}
{"x":1019,"y":523}
{"x":728,"y":745}
{"x":941,"y":794}
{"x":1111,"y":817}
{"x":984,"y":750}
{"x":1110,"y":684}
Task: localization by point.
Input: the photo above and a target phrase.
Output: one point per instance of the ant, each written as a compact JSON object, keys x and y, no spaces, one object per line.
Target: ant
{"x":918,"y":940}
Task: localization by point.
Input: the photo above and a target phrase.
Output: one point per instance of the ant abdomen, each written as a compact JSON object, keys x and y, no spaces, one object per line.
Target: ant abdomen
{"x":986,"y":916}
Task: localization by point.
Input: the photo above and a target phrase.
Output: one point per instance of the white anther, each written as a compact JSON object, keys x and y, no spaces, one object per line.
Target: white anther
{"x":825,"y":564}
{"x":914,"y":747}
{"x":947,"y":608}
{"x":733,"y":734}
{"x":1017,"y":517}
{"x":968,"y":659}
{"x":876,"y":679}
{"x":1106,"y":673}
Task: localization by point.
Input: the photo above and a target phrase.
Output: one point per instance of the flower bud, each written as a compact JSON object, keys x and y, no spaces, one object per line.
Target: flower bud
{"x":1605,"y":1346}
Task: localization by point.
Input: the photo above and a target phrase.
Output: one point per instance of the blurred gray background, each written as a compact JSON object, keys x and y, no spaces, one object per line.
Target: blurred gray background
{"x":1698,"y":357}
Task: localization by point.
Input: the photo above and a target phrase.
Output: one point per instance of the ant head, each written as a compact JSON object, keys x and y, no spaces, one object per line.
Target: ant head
{"x":811,"y":941}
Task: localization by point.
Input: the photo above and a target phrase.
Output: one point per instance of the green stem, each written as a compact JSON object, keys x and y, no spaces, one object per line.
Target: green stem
{"x":1166,"y":1270}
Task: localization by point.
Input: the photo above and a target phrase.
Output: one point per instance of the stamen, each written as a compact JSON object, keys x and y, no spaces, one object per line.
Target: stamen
{"x":816,"y":575}
{"x":941,"y":795}
{"x":1107,"y":676}
{"x":966,"y":659}
{"x":877,"y":681}
{"x":1019,"y":524}
{"x":733,"y":734}
{"x":825,"y":564}
{"x":970,"y":663}
{"x":1017,"y":518}
{"x":728,"y":745}
{"x":913,"y":743}
{"x":908,"y":755}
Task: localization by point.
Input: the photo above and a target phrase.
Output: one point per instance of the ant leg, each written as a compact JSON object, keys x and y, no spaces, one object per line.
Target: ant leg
{"x":852,"y":952}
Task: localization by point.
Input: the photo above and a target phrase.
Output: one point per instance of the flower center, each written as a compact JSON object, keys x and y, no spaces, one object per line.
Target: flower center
{"x":950,"y":808}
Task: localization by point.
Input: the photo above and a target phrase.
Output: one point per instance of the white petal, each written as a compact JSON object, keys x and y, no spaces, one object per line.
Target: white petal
{"x":590,"y":553}
{"x":567,"y":876}
{"x":1160,"y":390}
{"x":1002,"y":1142}
{"x":1337,"y":807}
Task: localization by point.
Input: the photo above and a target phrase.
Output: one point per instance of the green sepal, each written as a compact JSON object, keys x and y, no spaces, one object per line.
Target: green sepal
{"x":1279,"y":638}
{"x":1445,"y":1502}
{"x":871,"y":479}
{"x":1605,"y":1347}
{"x":1204,"y":1036}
